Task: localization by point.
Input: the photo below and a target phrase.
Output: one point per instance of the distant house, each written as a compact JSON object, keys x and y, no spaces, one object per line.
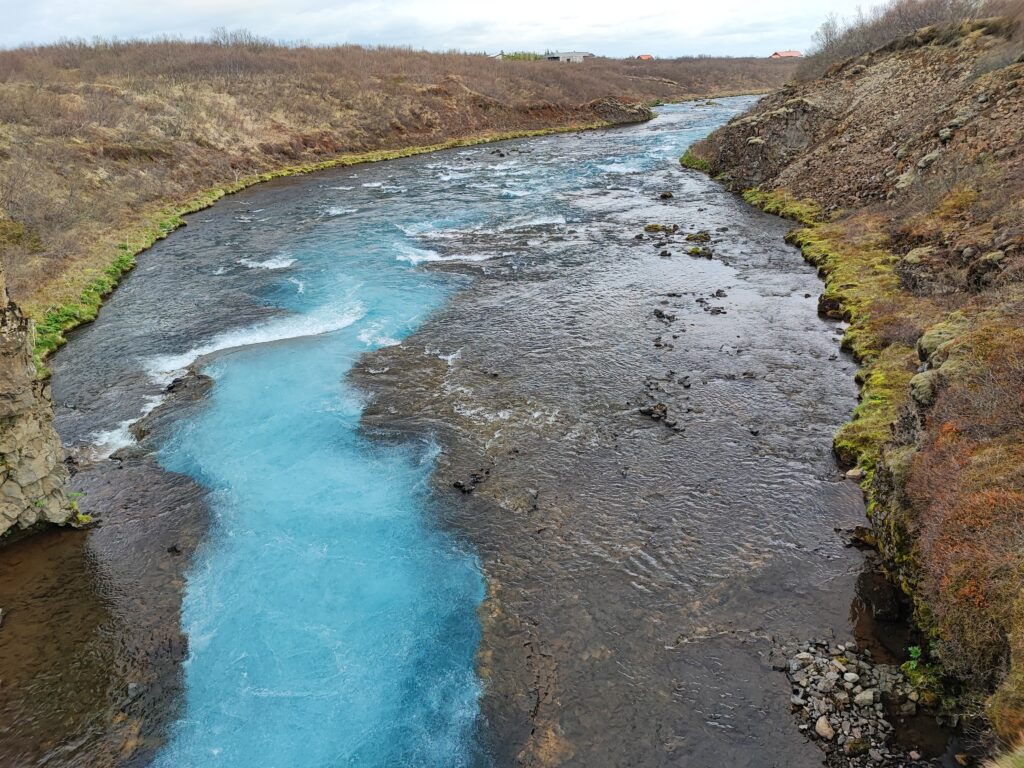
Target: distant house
{"x":645,"y":57}
{"x":786,"y":55}
{"x":573,"y":57}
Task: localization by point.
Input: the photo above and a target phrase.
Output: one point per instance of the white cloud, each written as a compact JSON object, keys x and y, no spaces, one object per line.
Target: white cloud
{"x":661,"y":27}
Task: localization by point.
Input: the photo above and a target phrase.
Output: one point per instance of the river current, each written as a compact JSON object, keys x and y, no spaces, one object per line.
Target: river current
{"x":470,"y":546}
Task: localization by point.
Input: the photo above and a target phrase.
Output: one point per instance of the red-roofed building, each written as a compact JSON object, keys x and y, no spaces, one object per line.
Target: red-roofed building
{"x":645,"y":57}
{"x":786,"y":55}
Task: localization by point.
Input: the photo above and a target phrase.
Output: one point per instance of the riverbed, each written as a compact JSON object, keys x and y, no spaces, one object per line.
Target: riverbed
{"x":463,"y":466}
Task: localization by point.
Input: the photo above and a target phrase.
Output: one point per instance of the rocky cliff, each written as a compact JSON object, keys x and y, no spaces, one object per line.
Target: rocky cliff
{"x":905,"y":167}
{"x":32,"y":472}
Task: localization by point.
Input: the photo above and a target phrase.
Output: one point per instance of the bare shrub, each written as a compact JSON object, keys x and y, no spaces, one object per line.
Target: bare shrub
{"x":838,"y":39}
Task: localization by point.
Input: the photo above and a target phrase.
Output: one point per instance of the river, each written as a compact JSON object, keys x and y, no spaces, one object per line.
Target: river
{"x":413,"y":509}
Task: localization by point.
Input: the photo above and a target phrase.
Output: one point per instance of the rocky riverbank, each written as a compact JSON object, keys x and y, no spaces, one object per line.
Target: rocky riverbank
{"x":904,"y":168}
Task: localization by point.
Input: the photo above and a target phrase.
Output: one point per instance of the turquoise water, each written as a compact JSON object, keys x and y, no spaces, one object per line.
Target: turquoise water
{"x":331,"y":622}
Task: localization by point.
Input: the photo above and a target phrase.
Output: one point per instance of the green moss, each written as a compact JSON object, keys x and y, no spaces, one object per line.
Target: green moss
{"x":57,"y":321}
{"x":690,"y":160}
{"x":781,"y":203}
{"x":884,"y":391}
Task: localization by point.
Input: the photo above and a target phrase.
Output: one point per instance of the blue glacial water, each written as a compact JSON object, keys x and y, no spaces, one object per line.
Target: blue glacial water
{"x":331,"y":621}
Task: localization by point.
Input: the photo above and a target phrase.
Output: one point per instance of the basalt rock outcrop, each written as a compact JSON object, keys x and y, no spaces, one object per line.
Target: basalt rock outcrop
{"x":32,"y":471}
{"x":618,"y":112}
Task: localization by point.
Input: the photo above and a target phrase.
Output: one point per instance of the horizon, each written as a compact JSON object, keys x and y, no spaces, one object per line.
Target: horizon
{"x":664,"y":30}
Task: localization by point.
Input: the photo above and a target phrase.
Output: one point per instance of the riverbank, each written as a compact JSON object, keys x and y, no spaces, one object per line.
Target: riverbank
{"x":909,"y":206}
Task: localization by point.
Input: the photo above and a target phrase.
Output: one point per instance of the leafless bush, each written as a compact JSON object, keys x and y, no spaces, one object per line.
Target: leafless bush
{"x":840,"y":39}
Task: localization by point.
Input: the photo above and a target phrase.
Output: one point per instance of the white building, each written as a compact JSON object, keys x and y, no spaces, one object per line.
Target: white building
{"x":573,"y":57}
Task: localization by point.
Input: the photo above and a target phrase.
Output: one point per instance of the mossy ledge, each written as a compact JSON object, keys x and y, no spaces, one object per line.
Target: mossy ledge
{"x":690,"y":160}
{"x":53,"y":323}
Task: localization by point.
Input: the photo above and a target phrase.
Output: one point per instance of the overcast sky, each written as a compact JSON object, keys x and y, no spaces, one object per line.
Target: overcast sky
{"x":659,"y":27}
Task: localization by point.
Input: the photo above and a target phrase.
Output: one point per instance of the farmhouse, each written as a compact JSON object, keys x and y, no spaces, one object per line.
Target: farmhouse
{"x":645,"y":57}
{"x":786,"y":55}
{"x":573,"y":57}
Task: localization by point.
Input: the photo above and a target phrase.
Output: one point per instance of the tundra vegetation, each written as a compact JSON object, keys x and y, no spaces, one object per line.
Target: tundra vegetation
{"x":105,"y":145}
{"x":903,"y":160}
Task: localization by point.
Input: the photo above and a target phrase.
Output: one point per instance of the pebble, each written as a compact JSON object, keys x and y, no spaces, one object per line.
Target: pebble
{"x":824,"y":729}
{"x":864,"y":698}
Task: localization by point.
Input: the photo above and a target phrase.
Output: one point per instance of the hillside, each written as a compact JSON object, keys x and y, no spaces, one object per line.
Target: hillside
{"x":906,"y":168}
{"x":103,"y":146}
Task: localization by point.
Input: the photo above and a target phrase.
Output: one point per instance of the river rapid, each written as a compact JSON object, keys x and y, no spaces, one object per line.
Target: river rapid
{"x":445,"y":461}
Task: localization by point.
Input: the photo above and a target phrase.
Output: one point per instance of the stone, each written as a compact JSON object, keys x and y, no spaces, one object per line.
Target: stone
{"x":864,"y":698}
{"x":906,"y":179}
{"x":855,"y":474}
{"x":851,"y":677}
{"x":824,"y":729}
{"x":855,"y":747}
{"x":918,"y":255}
{"x":31,"y":455}
{"x":928,"y":160}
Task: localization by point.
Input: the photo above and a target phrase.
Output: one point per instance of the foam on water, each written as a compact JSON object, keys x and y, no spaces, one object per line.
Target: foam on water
{"x":278,"y":262}
{"x":105,"y":443}
{"x":164,"y":369}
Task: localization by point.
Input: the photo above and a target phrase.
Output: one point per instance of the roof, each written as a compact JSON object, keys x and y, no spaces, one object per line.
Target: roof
{"x":645,"y":57}
{"x":786,"y":55}
{"x":568,"y":53}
